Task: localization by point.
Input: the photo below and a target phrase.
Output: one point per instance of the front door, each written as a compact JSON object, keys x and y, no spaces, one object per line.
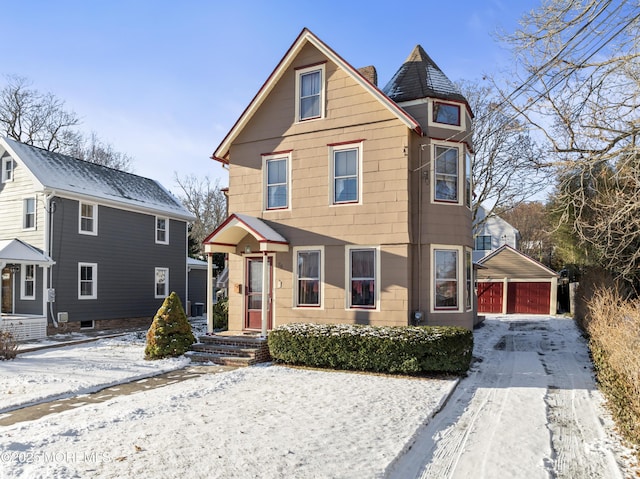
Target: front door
{"x":253,"y":293}
{"x":7,"y":291}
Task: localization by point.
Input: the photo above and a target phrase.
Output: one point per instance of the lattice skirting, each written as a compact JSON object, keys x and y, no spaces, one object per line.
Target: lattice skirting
{"x":25,"y":328}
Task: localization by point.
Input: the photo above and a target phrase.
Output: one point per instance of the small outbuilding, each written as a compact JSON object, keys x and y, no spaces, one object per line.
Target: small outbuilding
{"x":513,"y":283}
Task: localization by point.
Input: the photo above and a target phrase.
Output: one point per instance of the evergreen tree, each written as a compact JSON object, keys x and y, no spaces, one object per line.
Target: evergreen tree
{"x":170,"y":333}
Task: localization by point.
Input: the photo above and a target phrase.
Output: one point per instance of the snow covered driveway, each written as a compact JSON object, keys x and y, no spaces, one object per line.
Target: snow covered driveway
{"x":528,"y":409}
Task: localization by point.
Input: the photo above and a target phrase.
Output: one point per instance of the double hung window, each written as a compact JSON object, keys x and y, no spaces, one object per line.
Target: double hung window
{"x":362,"y":278}
{"x":309,"y":269}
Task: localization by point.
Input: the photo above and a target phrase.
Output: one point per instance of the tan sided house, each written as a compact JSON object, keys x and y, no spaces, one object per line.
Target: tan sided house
{"x":356,"y":199}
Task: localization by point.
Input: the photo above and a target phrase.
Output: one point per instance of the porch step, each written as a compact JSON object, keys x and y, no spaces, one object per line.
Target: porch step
{"x":230,"y":350}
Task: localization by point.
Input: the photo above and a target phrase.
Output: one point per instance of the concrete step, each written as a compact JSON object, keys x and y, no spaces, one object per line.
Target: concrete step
{"x":230,"y":350}
{"x":223,"y":360}
{"x":224,"y":349}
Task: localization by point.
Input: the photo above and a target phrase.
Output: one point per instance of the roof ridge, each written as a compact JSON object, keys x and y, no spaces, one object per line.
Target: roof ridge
{"x":13,"y":140}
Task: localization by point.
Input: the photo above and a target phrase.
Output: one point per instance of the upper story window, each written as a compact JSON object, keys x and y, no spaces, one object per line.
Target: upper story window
{"x":310,"y":92}
{"x":29,"y":213}
{"x":363,"y":281}
{"x":88,"y":221}
{"x":346,"y":176}
{"x":162,"y":230}
{"x":276,"y":171}
{"x":483,"y":243}
{"x":446,"y":113}
{"x":446,"y":174}
{"x":87,"y":280}
{"x":28,"y":283}
{"x":7,"y":170}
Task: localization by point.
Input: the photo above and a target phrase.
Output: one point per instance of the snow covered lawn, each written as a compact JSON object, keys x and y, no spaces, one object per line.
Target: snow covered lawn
{"x":79,"y":369}
{"x":266,"y":421}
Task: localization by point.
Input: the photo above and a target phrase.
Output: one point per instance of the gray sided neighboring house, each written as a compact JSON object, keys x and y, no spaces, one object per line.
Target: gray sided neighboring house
{"x":116,"y":243}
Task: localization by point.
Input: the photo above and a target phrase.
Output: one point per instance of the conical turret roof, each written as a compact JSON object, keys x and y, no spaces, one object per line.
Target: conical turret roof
{"x":420,"y":77}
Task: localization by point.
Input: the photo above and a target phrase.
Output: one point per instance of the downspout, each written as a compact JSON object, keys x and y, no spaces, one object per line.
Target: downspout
{"x":420,"y":272}
{"x":48,"y":241}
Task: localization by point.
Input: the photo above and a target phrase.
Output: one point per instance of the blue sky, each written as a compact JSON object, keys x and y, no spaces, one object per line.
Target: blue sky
{"x":164,"y":81}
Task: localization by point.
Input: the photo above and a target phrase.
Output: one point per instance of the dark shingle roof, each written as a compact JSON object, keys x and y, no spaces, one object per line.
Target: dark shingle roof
{"x":419,"y":77}
{"x":65,"y":174}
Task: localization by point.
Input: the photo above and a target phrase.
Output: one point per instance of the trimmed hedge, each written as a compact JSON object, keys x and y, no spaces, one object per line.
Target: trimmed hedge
{"x":405,"y":350}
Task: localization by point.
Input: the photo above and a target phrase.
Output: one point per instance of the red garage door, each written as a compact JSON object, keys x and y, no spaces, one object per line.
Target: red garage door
{"x":490,"y":298}
{"x":529,"y":298}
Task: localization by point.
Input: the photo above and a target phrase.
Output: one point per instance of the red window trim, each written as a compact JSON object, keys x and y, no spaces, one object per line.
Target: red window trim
{"x":311,"y":65}
{"x":350,"y":142}
{"x":274,"y":153}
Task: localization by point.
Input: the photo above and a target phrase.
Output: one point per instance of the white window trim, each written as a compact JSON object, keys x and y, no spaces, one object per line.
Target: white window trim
{"x":461,"y":108}
{"x":461,"y":286}
{"x":332,"y":150}
{"x":5,"y":162}
{"x":94,"y":232}
{"x":469,"y":292}
{"x":94,"y":266}
{"x":265,"y":197}
{"x":299,"y":73}
{"x":460,"y":183}
{"x":166,"y":283}
{"x":347,"y":278}
{"x":166,"y":229}
{"x":297,"y":249}
{"x":23,"y":278}
{"x":24,"y":213}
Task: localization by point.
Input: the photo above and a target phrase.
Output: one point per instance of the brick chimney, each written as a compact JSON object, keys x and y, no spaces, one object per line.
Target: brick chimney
{"x":370,"y":74}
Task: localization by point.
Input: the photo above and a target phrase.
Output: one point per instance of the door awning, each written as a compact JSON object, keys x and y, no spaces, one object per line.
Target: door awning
{"x":226,"y":237}
{"x":19,"y":252}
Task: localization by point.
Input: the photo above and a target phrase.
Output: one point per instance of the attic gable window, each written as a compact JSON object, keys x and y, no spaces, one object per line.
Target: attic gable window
{"x":7,"y":170}
{"x":310,"y":92}
{"x":446,"y":113}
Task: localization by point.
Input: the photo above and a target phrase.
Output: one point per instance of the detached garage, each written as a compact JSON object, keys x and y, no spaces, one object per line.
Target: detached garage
{"x":511,"y":282}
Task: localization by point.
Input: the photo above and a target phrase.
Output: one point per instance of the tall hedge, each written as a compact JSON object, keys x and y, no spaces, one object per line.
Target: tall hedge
{"x":170,"y":333}
{"x":407,"y":350}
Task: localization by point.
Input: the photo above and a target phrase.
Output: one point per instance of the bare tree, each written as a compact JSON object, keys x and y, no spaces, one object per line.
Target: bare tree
{"x":94,"y":150}
{"x":41,"y":119}
{"x":206,"y":201}
{"x":578,"y":82}
{"x":507,"y":160}
{"x":35,"y":118}
{"x":532,"y":221}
